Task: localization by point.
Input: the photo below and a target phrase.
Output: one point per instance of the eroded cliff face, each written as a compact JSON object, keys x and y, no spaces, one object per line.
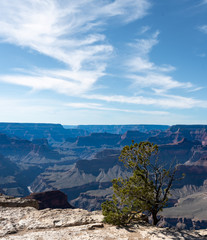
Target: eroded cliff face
{"x":85,"y":175}
{"x":178,"y":132}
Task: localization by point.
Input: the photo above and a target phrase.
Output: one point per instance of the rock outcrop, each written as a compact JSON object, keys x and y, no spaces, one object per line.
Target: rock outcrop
{"x":50,"y":199}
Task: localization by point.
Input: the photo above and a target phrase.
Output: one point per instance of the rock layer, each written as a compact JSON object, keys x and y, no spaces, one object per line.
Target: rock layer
{"x":7,"y":201}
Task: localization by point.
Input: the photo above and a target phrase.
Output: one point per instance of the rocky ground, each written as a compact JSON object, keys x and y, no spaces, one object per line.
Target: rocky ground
{"x":20,"y":223}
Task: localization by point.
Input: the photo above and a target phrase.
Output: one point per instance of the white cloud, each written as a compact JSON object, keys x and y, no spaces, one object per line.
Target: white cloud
{"x":165,"y":101}
{"x":139,"y":61}
{"x":140,"y":64}
{"x":156,"y":80}
{"x":96,"y":106}
{"x":68,"y":82}
{"x":130,"y":9}
{"x":144,"y":46}
{"x":54,"y":28}
{"x":146,"y":74}
{"x":66,"y":31}
{"x":144,"y":29}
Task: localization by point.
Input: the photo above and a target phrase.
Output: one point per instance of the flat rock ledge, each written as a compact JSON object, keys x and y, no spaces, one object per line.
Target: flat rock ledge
{"x":76,"y":224}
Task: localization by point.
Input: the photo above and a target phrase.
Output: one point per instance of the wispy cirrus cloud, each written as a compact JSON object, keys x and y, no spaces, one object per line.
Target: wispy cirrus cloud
{"x":144,"y":46}
{"x":163,"y":100}
{"x":72,"y":32}
{"x":144,"y":29}
{"x":68,"y":82}
{"x":158,"y":81}
{"x":140,"y":62}
{"x":67,"y":32}
{"x":143,"y":65}
{"x":97,"y":106}
{"x":147,"y":74}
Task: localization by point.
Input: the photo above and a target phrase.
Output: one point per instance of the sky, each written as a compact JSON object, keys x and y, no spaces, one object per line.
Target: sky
{"x":103,"y":61}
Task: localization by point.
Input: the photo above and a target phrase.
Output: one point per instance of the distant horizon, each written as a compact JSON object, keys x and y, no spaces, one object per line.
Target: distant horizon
{"x":133,"y":124}
{"x":103,"y":62}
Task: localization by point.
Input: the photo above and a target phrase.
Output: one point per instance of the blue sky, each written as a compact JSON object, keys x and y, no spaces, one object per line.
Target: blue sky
{"x":103,"y":62}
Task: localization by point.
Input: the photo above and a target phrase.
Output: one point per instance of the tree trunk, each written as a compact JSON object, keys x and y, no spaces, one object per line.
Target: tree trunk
{"x":155,"y":220}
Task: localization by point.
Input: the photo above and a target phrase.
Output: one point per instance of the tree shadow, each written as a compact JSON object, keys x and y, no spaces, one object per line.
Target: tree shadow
{"x":171,"y":233}
{"x":134,"y":226}
{"x":176,"y":234}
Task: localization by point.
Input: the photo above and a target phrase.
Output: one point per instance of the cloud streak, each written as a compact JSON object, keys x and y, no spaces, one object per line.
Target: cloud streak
{"x":68,"y":33}
{"x":146,"y":74}
{"x":72,"y":83}
{"x":62,"y":31}
{"x":97,"y":106}
{"x":158,"y":82}
{"x":165,"y":101}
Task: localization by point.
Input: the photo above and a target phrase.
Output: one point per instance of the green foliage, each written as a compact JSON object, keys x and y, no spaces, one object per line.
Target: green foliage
{"x":145,"y":190}
{"x":114,"y":215}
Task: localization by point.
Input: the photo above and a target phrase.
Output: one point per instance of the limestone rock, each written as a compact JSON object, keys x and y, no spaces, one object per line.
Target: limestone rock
{"x":18,"y":219}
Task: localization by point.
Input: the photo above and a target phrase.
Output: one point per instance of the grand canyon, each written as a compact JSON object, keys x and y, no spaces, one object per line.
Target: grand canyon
{"x":81,"y":161}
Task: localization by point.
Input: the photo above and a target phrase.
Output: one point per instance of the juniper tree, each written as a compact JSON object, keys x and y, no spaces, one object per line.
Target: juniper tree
{"x":146,"y":190}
